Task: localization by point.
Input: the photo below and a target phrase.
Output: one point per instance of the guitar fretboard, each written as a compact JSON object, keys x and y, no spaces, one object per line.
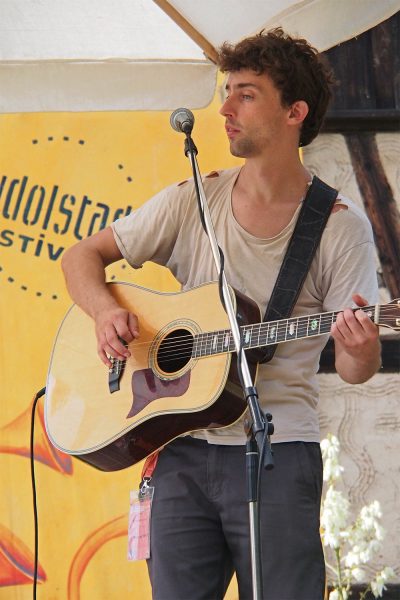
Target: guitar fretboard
{"x":271,"y":332}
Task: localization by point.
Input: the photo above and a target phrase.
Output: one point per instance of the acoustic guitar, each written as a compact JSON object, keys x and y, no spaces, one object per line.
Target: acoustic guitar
{"x":179,"y":378}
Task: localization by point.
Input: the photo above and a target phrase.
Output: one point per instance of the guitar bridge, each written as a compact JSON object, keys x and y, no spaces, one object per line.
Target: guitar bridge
{"x":114,"y":374}
{"x":115,"y":371}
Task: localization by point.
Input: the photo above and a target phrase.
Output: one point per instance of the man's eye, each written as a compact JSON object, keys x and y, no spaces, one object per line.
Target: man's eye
{"x":247,"y":97}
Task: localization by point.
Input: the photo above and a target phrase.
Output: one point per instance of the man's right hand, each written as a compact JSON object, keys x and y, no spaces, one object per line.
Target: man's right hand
{"x":84,"y":269}
{"x":113,"y":327}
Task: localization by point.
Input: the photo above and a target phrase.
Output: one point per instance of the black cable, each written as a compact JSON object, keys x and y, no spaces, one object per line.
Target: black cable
{"x":35,"y":513}
{"x":239,"y":361}
{"x":261,"y":461}
{"x":220,"y":279}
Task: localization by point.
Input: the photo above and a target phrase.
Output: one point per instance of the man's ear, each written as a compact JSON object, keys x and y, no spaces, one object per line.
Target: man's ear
{"x":297,"y":112}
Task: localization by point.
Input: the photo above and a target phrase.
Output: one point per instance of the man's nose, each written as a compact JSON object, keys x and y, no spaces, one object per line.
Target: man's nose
{"x":227,"y":107}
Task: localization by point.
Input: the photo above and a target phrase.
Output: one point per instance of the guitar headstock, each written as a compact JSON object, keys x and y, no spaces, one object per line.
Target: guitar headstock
{"x":389,"y":315}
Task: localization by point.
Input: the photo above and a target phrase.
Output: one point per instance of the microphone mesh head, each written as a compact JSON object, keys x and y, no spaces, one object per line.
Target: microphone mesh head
{"x":182,"y":120}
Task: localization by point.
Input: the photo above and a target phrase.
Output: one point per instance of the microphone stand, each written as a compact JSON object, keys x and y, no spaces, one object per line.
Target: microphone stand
{"x":261,"y":426}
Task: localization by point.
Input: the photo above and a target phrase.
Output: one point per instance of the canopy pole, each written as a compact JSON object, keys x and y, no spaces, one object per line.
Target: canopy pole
{"x":195,"y":35}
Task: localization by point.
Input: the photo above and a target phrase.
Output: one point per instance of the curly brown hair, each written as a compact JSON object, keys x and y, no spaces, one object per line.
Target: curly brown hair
{"x":298,"y":71}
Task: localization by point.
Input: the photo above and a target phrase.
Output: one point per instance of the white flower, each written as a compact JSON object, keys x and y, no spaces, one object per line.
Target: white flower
{"x":358,"y":574}
{"x":362,"y":539}
{"x":369,"y":515}
{"x":387,"y":573}
{"x":332,"y":470}
{"x":330,"y":448}
{"x":378,"y":585}
{"x":352,"y":558}
{"x":334,"y":517}
{"x":365,"y":536}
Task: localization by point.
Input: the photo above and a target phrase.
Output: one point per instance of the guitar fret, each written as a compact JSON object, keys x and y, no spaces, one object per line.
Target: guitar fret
{"x":221,"y":341}
{"x":326,"y":324}
{"x":271,"y":333}
{"x":259,"y":335}
{"x":212,"y":342}
{"x":226,"y":339}
{"x":203,"y":346}
{"x":291,"y":330}
{"x":215,"y":343}
{"x":281,"y":331}
{"x":206,"y":345}
{"x":302,"y":327}
{"x":209,"y":343}
{"x":286,"y":329}
{"x":232,"y":346}
{"x":198,"y":345}
{"x":313,"y":325}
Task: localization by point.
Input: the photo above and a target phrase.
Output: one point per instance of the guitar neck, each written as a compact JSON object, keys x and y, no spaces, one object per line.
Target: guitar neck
{"x":272,"y":332}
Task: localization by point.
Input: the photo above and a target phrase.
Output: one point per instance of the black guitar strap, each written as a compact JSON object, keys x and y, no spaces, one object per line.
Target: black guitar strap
{"x":314,"y":214}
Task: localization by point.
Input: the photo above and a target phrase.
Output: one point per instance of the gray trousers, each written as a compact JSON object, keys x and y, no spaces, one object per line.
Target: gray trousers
{"x":200,"y":523}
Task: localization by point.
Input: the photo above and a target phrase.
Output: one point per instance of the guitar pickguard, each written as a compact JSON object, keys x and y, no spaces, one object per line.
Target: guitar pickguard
{"x":147,"y":387}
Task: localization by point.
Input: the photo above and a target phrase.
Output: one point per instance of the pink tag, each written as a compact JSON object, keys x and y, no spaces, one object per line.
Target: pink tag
{"x":139,"y":523}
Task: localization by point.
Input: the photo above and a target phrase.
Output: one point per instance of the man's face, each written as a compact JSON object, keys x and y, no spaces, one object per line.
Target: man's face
{"x":254,"y":116}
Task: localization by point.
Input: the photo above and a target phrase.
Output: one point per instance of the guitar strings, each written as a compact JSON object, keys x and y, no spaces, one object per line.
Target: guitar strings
{"x":185,"y":342}
{"x":302,"y":328}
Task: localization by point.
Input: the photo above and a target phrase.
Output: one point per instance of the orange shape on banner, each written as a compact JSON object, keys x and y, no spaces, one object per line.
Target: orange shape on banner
{"x":16,"y":561}
{"x":115,"y":528}
{"x":15,"y":438}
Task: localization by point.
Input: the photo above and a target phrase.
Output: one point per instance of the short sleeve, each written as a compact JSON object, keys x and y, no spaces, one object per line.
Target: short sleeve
{"x":351,"y":264}
{"x":149,"y":233}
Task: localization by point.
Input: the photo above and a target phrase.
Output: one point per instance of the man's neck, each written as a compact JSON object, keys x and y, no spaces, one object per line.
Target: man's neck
{"x":274,"y":181}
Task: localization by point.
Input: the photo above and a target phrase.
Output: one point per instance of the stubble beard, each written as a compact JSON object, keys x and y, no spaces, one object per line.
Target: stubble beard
{"x":244,"y":148}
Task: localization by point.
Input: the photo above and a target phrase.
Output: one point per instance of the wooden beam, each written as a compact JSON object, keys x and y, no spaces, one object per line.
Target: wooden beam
{"x":371,"y":120}
{"x":379,"y":203}
{"x":188,"y":28}
{"x":390,"y":355}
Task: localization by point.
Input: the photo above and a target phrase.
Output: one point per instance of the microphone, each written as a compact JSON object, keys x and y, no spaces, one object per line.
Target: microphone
{"x":182,"y":120}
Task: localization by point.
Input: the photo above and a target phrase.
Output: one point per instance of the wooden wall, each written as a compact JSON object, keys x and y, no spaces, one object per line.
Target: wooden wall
{"x":358,"y":153}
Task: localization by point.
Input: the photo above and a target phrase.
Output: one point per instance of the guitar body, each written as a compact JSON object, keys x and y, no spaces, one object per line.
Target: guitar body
{"x":159,"y":396}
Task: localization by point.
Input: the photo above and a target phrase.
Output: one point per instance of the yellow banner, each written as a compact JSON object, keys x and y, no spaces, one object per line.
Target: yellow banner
{"x":62,"y":178}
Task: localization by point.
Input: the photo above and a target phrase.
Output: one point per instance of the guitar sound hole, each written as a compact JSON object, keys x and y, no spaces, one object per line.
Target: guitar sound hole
{"x":175,"y":351}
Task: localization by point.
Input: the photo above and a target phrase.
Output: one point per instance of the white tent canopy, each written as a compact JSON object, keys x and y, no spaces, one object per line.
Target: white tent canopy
{"x":74,"y":55}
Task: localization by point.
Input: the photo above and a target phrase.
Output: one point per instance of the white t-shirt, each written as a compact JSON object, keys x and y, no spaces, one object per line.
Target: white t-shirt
{"x":167,"y":230}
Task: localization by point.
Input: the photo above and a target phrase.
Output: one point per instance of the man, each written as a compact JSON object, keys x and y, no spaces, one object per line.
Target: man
{"x":277,"y":94}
